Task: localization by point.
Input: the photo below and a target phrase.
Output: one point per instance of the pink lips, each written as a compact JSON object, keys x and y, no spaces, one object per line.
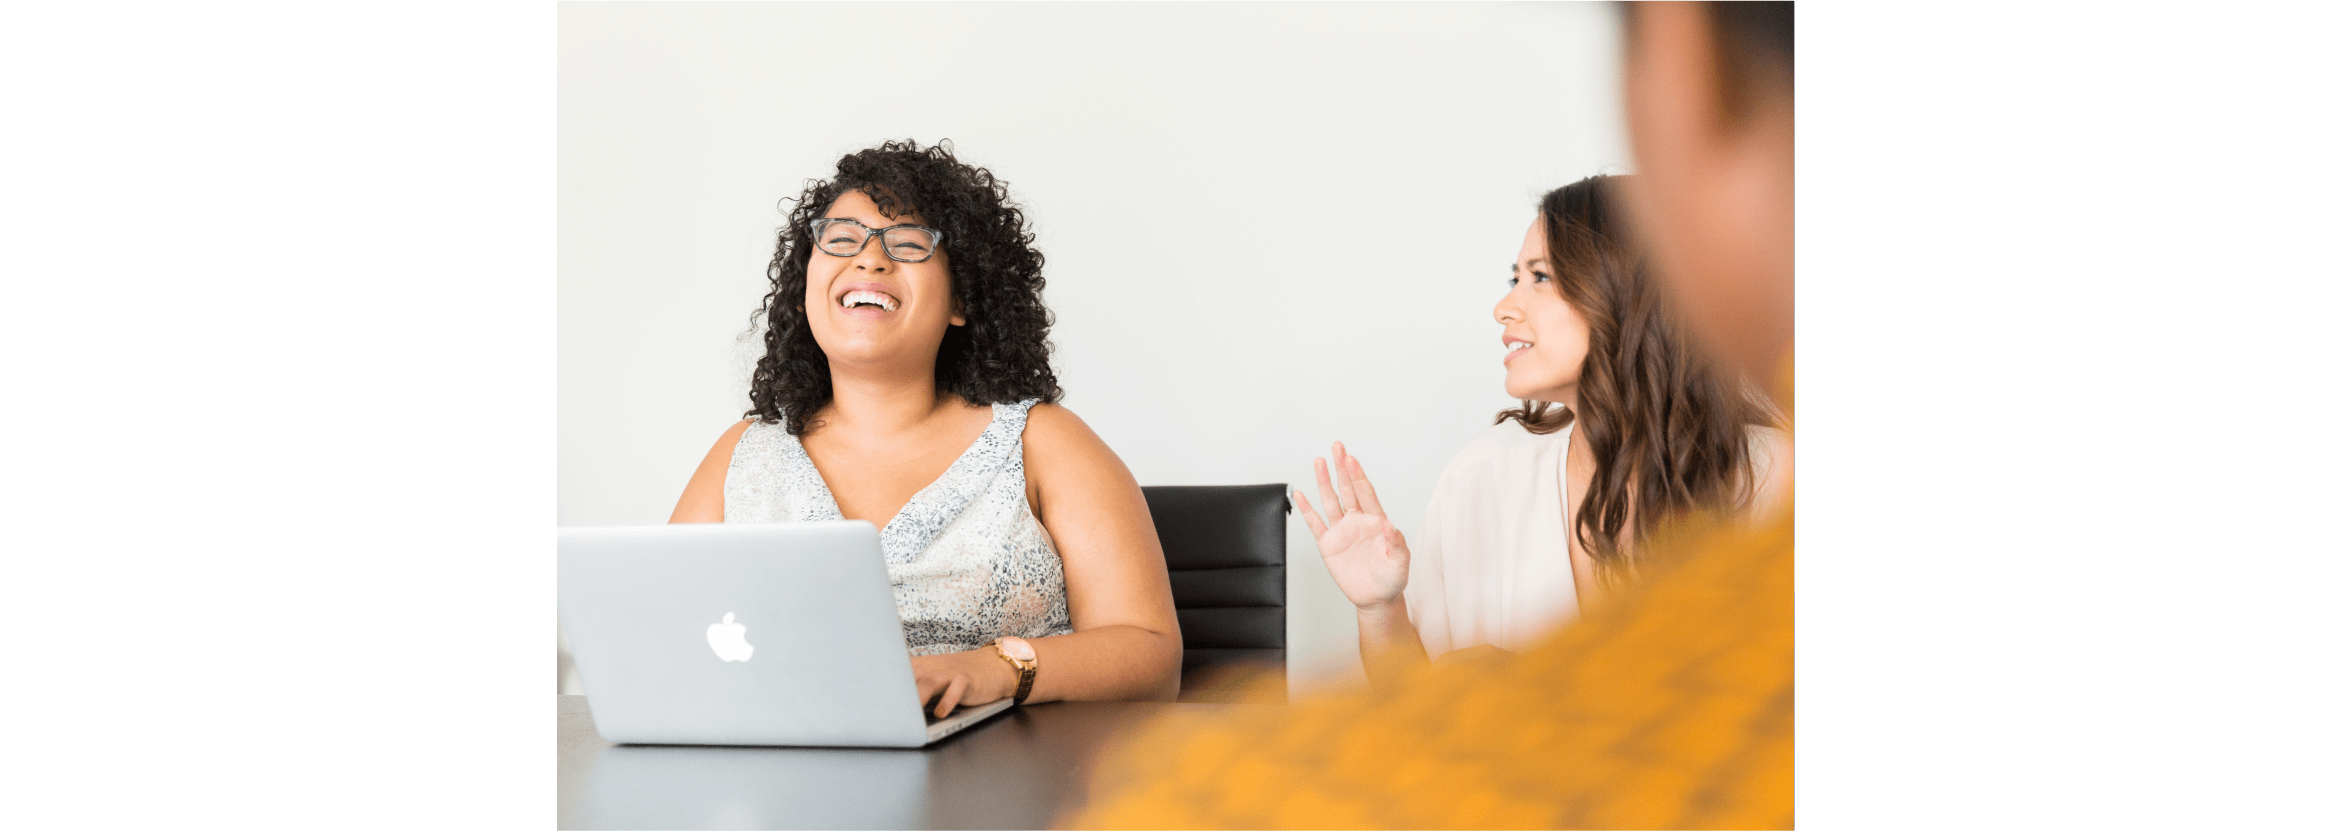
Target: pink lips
{"x":1509,"y":353}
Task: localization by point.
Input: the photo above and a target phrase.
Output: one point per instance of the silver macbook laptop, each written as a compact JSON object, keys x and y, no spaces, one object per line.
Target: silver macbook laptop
{"x":742,"y":634}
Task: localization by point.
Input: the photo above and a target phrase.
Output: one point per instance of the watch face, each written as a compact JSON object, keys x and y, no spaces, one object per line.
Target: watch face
{"x":1018,"y":649}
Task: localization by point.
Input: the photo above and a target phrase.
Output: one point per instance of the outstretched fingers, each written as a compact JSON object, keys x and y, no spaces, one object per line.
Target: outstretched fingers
{"x":1306,"y":510}
{"x":1368,"y":498}
{"x":1346,"y":492}
{"x":1330,"y":498}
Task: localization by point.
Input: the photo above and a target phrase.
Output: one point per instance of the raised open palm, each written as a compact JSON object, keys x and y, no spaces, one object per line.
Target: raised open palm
{"x":1364,"y":551}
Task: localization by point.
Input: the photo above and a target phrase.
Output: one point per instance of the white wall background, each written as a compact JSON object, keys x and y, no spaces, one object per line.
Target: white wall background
{"x":1266,"y":226}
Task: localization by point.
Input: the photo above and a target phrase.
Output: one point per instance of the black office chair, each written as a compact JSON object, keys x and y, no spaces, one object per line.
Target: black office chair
{"x":1225,"y":551}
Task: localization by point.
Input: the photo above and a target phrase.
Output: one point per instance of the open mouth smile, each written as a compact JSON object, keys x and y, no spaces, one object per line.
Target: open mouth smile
{"x":869,"y":299}
{"x":866,"y":300}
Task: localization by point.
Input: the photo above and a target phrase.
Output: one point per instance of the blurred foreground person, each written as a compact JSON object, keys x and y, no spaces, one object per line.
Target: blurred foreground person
{"x":1673,"y":707}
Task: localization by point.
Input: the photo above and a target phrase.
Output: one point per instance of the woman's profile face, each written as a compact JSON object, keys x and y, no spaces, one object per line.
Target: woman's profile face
{"x":1545,"y":338}
{"x":869,"y":311}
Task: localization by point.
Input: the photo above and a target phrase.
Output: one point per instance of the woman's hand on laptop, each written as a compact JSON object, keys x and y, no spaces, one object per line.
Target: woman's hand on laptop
{"x":968,"y":678}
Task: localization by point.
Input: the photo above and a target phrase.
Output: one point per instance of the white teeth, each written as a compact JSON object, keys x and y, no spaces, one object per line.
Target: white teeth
{"x":1518,"y":345}
{"x":852,"y":299}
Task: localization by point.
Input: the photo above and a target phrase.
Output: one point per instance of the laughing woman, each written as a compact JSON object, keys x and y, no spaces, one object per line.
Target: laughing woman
{"x":906,"y":383}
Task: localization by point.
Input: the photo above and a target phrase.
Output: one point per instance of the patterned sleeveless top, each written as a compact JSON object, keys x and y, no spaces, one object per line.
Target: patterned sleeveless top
{"x":968,"y":562}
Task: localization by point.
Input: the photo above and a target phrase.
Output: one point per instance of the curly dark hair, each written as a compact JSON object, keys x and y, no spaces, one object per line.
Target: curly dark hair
{"x":1000,"y":355}
{"x":1667,"y":428}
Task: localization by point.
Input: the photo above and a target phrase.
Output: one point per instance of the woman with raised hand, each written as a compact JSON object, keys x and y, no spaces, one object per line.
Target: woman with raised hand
{"x":1622,"y":426}
{"x":1674,"y":708}
{"x":906,"y":383}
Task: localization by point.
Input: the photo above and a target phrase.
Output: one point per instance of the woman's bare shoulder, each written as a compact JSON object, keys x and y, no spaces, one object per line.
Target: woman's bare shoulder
{"x":705,"y":496}
{"x":734,"y":435}
{"x":1054,"y":429}
{"x":1060,"y":446}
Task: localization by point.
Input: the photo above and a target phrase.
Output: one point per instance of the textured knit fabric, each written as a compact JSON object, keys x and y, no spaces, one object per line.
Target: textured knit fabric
{"x":968,"y":562}
{"x":1672,"y":706}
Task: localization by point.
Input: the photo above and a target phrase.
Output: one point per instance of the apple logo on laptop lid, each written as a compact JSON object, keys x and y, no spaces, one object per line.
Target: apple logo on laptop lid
{"x":726,"y":639}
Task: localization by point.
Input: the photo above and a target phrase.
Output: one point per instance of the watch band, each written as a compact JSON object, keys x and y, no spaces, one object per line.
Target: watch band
{"x":1028,"y":677}
{"x":1026,"y":669}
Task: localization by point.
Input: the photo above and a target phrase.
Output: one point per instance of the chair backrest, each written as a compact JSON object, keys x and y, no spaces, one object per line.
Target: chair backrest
{"x":1225,"y":548}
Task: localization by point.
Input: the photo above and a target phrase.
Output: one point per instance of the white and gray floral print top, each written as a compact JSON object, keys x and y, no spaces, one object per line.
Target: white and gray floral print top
{"x":968,"y":562}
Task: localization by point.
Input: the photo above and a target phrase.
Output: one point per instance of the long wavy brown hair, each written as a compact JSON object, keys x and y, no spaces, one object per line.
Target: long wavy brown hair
{"x":1669,"y":430}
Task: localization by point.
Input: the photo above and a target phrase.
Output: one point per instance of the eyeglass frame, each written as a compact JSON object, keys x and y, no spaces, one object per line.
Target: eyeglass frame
{"x":816,"y":229}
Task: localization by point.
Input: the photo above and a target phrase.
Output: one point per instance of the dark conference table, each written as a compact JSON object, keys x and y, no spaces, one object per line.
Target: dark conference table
{"x":1015,"y":770}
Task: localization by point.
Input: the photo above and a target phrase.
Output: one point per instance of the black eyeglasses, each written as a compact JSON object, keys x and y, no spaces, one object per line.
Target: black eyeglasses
{"x":904,"y":243}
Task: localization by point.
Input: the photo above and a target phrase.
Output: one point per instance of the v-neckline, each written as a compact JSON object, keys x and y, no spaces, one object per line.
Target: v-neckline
{"x":831,"y":507}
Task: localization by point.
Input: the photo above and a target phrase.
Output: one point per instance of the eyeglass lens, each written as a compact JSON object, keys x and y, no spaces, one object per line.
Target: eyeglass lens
{"x":844,"y":238}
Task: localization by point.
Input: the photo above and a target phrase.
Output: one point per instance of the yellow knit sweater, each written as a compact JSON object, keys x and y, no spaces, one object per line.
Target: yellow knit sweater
{"x":1670,"y":707}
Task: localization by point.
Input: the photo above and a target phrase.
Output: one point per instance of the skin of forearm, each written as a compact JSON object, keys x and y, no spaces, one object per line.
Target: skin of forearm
{"x":1108,"y":663}
{"x":1391,"y":645}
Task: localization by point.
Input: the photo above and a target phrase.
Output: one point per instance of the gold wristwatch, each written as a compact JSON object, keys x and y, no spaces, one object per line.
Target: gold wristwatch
{"x":1023,"y":659}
